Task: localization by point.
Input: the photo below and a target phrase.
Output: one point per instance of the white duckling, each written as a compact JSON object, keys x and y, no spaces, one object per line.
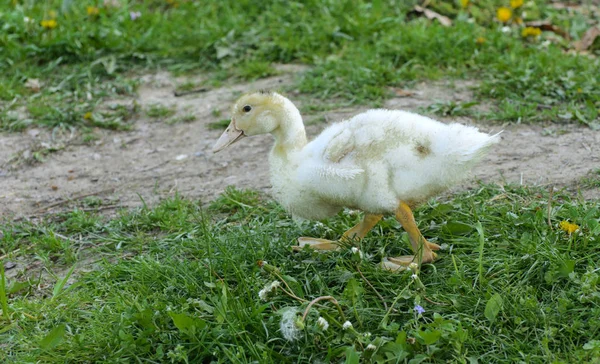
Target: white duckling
{"x":380,"y":162}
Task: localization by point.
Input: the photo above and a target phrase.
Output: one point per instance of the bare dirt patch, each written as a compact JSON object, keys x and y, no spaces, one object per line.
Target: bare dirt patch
{"x":157,"y":160}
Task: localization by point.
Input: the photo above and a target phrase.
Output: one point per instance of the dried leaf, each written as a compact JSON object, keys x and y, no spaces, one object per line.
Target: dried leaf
{"x":430,"y":14}
{"x":588,"y":39}
{"x":33,"y":84}
{"x":548,"y":27}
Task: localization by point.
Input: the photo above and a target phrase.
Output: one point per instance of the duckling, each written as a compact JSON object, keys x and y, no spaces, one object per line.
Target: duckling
{"x":380,"y":161}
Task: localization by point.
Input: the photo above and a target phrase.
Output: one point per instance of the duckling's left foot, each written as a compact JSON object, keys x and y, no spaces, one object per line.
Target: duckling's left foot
{"x":317,"y":244}
{"x":421,"y":247}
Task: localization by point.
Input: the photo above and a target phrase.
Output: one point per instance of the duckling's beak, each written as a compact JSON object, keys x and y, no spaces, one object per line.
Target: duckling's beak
{"x":231,"y":135}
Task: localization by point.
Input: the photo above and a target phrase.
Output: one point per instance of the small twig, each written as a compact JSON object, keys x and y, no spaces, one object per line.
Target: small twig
{"x":101,"y":208}
{"x":289,"y":291}
{"x":212,"y":271}
{"x":329,"y":298}
{"x":550,"y":206}
{"x":292,"y":295}
{"x":7,"y":254}
{"x":74,"y":199}
{"x":189,"y":92}
{"x":373,"y":288}
{"x":154,"y":167}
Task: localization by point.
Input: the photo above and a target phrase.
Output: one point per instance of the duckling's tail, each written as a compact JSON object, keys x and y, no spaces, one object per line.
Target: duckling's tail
{"x":466,"y":145}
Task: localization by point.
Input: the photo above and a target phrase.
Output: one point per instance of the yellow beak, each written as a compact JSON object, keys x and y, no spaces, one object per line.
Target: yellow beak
{"x":231,"y":135}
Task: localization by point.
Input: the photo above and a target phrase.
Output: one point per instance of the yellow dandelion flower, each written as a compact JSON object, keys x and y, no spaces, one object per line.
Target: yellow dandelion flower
{"x":504,"y":14}
{"x":464,"y":3}
{"x":568,"y":227}
{"x":531,"y":32}
{"x":480,"y":40}
{"x":87,"y":115}
{"x":92,"y":10}
{"x":516,"y":3}
{"x":49,"y":24}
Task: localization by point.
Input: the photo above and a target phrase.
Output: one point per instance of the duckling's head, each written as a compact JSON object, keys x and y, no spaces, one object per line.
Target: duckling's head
{"x":252,"y":114}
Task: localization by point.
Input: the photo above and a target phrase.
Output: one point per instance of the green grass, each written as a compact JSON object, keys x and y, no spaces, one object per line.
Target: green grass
{"x":592,"y":180}
{"x":178,"y":283}
{"x":358,"y":49}
{"x":181,"y":283}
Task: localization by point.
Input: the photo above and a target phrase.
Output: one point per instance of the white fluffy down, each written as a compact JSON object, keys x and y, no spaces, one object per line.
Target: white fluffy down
{"x":373,"y":161}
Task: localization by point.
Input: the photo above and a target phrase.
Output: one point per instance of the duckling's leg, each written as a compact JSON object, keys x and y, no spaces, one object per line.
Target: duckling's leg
{"x":422,"y":248}
{"x":357,"y":232}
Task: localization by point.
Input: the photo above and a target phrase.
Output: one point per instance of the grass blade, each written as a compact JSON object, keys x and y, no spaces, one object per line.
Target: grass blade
{"x":54,"y":338}
{"x":60,"y":284}
{"x":481,"y":243}
{"x":3,"y":295}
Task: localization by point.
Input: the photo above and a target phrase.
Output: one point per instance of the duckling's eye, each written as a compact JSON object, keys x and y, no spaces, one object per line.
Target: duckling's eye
{"x":247,"y":108}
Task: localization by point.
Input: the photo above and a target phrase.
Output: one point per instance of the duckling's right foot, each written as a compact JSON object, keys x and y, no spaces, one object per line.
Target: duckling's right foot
{"x":317,"y":244}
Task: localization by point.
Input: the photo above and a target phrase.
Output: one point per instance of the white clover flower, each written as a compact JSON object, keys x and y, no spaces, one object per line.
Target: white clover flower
{"x":287,"y":326}
{"x":371,"y":347}
{"x":347,"y":325}
{"x":263,"y":294}
{"x":323,"y":324}
{"x":356,"y":250}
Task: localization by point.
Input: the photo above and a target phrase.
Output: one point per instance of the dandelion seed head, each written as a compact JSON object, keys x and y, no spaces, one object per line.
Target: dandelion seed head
{"x":288,"y":326}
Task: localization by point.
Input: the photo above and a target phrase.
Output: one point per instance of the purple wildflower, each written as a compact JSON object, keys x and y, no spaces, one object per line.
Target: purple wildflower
{"x":419,"y":309}
{"x":135,"y":14}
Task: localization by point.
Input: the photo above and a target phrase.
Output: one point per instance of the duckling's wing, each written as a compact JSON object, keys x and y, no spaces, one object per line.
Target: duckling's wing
{"x":329,"y":159}
{"x":337,"y":157}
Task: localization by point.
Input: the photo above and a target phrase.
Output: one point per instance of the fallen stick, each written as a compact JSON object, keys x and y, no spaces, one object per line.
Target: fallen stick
{"x":189,"y":92}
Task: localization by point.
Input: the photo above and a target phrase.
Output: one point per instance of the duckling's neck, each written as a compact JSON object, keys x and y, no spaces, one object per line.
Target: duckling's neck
{"x":290,"y":136}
